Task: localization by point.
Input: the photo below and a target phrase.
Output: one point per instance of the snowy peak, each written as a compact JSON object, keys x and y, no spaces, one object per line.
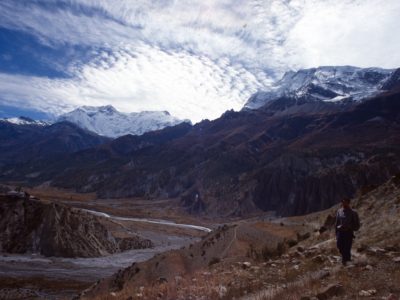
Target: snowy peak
{"x":107,"y":121}
{"x":93,"y":110}
{"x":329,"y":84}
{"x":24,"y":121}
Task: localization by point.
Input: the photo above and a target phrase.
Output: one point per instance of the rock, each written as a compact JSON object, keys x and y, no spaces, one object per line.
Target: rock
{"x":297,"y":254}
{"x":394,"y":254}
{"x":396,"y":259}
{"x":375,"y":251}
{"x":330,"y":291}
{"x":322,"y":229}
{"x":362,"y":248}
{"x":319,"y":259}
{"x":222,"y":290}
{"x":246,"y":265}
{"x":112,"y":294}
{"x":392,"y":248}
{"x":300,"y":249}
{"x":368,"y":267}
{"x":324,"y":274}
{"x":367,"y":293}
{"x":328,"y":224}
{"x":162,"y":280}
{"x":302,"y":237}
{"x":311,"y":252}
{"x":178,"y":279}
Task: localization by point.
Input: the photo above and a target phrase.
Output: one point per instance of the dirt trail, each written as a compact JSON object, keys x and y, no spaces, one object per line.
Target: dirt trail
{"x":230,"y":243}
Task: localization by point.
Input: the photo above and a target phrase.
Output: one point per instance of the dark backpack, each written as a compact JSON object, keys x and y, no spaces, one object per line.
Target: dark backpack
{"x":356,"y":221}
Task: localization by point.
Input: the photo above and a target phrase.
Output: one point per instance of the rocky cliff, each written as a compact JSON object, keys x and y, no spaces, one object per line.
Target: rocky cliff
{"x":53,"y":229}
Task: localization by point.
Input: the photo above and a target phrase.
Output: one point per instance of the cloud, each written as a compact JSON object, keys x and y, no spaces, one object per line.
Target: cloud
{"x":195,"y":59}
{"x":139,"y":78}
{"x":361,"y":33}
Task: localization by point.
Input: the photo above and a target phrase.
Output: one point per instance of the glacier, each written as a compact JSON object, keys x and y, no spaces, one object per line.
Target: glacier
{"x":326,"y":83}
{"x":107,"y":121}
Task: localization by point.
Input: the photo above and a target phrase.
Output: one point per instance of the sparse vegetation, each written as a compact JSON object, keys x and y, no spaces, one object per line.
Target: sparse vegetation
{"x":214,"y":261}
{"x":304,"y":265}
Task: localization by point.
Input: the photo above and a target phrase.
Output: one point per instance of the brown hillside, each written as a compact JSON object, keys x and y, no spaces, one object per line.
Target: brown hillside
{"x":247,"y":260}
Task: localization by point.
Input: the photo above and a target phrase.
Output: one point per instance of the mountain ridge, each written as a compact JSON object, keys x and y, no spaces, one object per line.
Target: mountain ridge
{"x":244,"y":162}
{"x":288,"y":156}
{"x":107,"y":121}
{"x":21,"y":120}
{"x":327,"y":84}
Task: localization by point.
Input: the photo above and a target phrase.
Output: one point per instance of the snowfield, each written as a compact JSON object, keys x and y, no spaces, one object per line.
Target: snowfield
{"x":107,"y":121}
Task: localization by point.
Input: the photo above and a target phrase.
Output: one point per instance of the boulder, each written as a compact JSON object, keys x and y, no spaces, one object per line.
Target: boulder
{"x":330,"y":291}
{"x":367,"y":293}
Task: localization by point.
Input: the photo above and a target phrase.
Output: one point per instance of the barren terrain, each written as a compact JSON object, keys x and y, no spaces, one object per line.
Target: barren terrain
{"x":49,"y":277}
{"x":257,"y":258}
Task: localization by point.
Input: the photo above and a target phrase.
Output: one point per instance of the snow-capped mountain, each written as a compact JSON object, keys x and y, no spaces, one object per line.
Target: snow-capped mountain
{"x":328,"y":84}
{"x":24,"y":121}
{"x":107,"y":121}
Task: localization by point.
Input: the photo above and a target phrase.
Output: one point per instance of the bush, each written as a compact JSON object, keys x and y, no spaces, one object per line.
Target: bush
{"x":214,"y":261}
{"x":292,"y":243}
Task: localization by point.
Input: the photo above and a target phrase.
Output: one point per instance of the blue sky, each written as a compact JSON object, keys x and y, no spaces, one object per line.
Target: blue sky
{"x":195,"y":59}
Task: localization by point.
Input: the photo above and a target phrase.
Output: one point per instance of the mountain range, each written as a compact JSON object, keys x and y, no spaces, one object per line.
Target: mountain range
{"x":327,"y":84}
{"x":107,"y":121}
{"x":298,"y":152}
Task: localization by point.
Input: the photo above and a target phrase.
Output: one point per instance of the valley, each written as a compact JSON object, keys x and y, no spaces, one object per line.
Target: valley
{"x":260,"y":257}
{"x":237,"y":207}
{"x":200,"y":150}
{"x":49,"y":276}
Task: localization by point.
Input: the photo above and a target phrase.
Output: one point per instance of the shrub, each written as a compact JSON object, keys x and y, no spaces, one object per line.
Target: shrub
{"x":214,"y":261}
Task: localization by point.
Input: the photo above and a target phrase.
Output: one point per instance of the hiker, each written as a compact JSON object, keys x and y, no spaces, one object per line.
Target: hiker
{"x":347,"y":221}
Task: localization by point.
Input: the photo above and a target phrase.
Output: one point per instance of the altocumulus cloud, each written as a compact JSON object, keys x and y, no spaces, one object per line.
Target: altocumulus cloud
{"x":195,"y":59}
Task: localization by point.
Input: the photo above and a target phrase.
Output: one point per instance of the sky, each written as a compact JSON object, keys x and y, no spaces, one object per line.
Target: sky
{"x":195,"y":59}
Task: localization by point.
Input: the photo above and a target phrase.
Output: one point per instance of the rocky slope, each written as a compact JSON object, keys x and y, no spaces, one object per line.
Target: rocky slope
{"x":52,"y":229}
{"x":292,"y":258}
{"x":248,"y":161}
{"x":326,"y":84}
{"x":24,"y":143}
{"x":107,"y":121}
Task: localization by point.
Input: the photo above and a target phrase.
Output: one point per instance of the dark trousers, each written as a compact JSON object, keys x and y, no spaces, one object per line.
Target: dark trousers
{"x":344,"y":240}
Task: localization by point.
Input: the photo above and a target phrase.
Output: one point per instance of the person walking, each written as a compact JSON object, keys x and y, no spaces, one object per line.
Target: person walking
{"x":347,"y":221}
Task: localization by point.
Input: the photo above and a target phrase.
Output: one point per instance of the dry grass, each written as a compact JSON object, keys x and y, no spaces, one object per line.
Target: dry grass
{"x":214,"y":268}
{"x":64,"y":288}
